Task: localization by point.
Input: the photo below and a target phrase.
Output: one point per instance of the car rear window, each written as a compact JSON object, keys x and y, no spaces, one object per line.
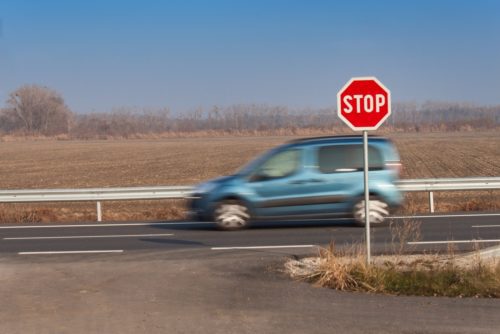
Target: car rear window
{"x":347,"y":158}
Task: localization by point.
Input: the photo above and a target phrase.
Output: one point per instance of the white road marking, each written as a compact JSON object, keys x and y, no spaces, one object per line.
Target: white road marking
{"x":480,"y":226}
{"x":453,"y":241}
{"x":448,"y":216}
{"x":92,"y":236}
{"x":485,"y":252}
{"x":210,"y":223}
{"x":263,"y":247}
{"x":73,"y":252}
{"x":100,"y":225}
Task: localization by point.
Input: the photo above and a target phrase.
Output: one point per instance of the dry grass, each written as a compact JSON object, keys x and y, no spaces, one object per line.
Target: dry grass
{"x":86,"y":211}
{"x":425,"y":276}
{"x":421,"y":275}
{"x":402,"y":233}
{"x":184,"y":161}
{"x":346,"y":269}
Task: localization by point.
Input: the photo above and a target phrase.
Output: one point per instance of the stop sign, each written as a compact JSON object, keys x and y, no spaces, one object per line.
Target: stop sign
{"x":364,"y":103}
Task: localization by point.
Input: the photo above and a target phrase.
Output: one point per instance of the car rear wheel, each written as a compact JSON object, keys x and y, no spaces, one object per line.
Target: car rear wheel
{"x":231,"y":215}
{"x":378,"y":211}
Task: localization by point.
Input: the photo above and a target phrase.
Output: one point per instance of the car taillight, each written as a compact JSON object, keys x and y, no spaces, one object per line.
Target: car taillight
{"x":395,"y":166}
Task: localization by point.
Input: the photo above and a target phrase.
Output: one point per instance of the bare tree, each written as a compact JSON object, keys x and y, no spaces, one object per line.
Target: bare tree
{"x":35,"y":109}
{"x":38,"y":110}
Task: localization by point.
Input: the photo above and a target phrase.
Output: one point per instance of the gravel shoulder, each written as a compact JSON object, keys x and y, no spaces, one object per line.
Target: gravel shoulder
{"x":192,"y":291}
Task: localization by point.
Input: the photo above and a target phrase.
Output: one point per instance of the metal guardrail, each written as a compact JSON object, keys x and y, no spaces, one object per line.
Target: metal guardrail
{"x":471,"y":183}
{"x":93,"y":194}
{"x":178,"y":192}
{"x":450,"y":184}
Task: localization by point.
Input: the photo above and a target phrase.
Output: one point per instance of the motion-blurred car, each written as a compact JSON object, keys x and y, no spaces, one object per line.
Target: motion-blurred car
{"x":304,"y":179}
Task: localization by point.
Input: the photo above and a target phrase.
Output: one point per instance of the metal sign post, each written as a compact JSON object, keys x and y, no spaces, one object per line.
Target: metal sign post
{"x":367,"y":197}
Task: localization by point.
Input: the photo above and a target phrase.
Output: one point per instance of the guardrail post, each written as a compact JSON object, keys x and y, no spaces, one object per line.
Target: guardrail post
{"x":431,"y":201}
{"x":99,"y":212}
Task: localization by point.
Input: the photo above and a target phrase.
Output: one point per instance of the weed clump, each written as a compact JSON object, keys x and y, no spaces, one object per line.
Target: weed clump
{"x":415,"y":275}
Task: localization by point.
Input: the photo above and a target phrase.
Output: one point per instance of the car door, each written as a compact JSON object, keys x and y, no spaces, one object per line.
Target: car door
{"x":324,"y":184}
{"x":276,"y":185}
{"x":340,"y":167}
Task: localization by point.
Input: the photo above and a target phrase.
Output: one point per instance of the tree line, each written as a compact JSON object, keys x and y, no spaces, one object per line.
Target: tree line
{"x":33,"y":110}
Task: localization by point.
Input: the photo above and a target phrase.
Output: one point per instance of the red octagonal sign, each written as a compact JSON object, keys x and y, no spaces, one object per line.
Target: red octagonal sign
{"x":364,"y":103}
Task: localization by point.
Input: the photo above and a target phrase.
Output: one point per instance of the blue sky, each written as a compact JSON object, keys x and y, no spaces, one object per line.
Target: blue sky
{"x":188,"y":54}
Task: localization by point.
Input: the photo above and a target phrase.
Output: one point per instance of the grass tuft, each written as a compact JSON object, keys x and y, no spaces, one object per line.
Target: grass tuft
{"x":400,"y":273}
{"x":417,"y":275}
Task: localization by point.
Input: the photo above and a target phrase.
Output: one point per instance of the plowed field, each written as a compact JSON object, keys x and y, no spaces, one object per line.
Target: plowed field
{"x":186,"y":161}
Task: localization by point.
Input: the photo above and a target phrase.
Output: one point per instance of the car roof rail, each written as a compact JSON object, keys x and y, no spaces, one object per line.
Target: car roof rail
{"x":302,"y":140}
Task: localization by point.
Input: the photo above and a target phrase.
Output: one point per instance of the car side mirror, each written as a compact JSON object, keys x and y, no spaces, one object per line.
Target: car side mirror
{"x":259,"y":175}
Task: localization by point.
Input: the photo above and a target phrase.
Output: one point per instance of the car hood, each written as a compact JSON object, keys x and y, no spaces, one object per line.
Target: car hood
{"x":223,"y":179}
{"x":209,"y":185}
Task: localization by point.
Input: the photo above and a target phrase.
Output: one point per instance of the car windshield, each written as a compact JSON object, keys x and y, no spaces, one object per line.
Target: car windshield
{"x":252,"y":165}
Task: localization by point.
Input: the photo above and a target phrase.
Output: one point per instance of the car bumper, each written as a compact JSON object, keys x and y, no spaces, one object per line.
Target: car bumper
{"x":196,"y":208}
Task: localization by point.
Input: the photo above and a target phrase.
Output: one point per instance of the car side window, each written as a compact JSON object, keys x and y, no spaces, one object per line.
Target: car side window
{"x":280,"y":165}
{"x":347,"y":158}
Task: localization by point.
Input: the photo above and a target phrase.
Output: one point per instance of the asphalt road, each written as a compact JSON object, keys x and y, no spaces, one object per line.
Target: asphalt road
{"x":186,"y":277}
{"x":436,"y":232}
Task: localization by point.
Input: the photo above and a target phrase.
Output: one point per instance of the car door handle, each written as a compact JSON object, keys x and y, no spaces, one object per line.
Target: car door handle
{"x":306,"y":181}
{"x":297,"y":182}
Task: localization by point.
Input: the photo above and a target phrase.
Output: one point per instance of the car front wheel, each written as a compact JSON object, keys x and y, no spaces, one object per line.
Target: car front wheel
{"x":231,"y":215}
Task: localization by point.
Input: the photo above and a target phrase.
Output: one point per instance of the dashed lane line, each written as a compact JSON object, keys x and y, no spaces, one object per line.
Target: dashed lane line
{"x":448,"y":216}
{"x":263,"y":247}
{"x":72,"y":252}
{"x":453,"y":241}
{"x":103,"y":225}
{"x":92,"y":236}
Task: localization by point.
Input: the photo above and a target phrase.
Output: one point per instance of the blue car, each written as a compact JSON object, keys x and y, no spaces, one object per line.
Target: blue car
{"x":304,"y":179}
